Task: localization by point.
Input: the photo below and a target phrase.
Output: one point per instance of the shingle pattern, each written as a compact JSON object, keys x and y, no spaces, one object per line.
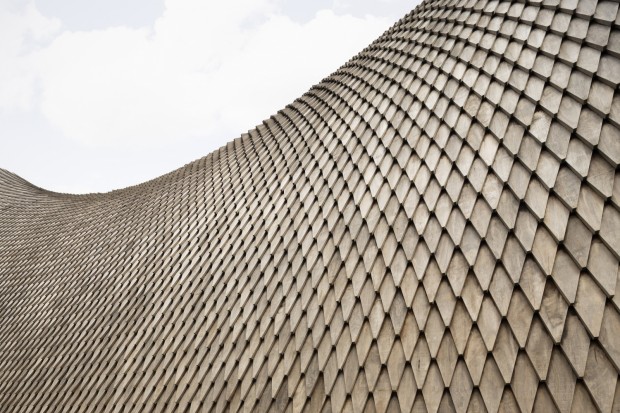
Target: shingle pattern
{"x":433,"y":227}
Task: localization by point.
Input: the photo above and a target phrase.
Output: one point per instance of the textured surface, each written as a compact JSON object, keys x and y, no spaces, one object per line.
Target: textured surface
{"x":436,"y":226}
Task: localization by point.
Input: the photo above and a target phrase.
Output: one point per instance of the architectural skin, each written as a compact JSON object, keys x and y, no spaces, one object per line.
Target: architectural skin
{"x":433,"y":227}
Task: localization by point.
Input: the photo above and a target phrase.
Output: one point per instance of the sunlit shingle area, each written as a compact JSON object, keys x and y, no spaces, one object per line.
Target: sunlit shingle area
{"x":434,"y":227}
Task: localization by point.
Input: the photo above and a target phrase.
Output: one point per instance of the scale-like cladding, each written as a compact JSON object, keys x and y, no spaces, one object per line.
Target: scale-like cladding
{"x":434,"y":226}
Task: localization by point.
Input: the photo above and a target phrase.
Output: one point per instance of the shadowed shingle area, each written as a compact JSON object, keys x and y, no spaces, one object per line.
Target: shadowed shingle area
{"x":433,"y":227}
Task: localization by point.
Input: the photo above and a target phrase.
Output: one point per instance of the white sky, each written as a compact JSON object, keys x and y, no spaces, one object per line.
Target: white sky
{"x":102,"y":94}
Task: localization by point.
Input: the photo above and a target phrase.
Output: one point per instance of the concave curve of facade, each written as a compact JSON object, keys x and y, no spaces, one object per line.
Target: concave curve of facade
{"x":433,"y":227}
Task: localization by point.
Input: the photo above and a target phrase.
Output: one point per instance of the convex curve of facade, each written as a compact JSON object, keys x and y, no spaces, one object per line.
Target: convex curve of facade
{"x":433,"y":227}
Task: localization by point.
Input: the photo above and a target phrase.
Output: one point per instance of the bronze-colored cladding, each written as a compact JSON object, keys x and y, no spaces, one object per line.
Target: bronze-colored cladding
{"x":434,"y":227}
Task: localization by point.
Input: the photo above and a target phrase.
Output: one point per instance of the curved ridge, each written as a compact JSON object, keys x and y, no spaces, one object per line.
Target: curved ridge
{"x":433,"y":227}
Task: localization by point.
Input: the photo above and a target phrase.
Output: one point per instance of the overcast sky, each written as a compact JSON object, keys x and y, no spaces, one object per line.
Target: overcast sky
{"x":102,"y":94}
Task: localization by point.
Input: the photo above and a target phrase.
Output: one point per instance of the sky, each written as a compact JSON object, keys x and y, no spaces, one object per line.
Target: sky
{"x":103,"y":94}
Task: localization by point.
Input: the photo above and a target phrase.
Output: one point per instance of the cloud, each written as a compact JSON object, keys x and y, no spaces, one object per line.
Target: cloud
{"x":208,"y":69}
{"x":22,"y":33}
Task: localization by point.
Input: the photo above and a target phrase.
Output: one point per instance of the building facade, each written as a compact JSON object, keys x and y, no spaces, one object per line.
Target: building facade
{"x":433,"y":227}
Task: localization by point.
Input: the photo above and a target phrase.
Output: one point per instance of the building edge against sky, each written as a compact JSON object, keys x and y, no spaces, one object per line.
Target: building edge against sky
{"x":435,"y":226}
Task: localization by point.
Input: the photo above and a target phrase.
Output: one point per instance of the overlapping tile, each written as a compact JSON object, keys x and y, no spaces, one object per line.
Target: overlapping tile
{"x":432,"y":227}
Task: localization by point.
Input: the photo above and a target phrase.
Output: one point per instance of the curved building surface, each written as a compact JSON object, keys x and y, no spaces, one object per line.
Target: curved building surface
{"x":434,"y":227}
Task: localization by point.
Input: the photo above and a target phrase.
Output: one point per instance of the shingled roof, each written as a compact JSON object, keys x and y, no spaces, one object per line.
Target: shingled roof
{"x":435,"y":226}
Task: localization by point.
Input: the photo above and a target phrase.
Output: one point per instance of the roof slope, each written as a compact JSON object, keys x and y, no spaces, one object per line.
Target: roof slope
{"x":434,"y":226}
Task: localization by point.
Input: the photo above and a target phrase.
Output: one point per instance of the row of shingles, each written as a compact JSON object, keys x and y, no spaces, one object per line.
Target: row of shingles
{"x":49,"y":342}
{"x":339,"y":217}
{"x":347,"y":222}
{"x":209,"y":231}
{"x":165,"y":376}
{"x":593,"y":296}
{"x":294,"y":267}
{"x":45,"y":234}
{"x":95,"y":350}
{"x":111,"y":305}
{"x":251,"y":271}
{"x":241,"y":271}
{"x":122,"y":313}
{"x":283,"y":271}
{"x":530,"y":270}
{"x":15,"y":191}
{"x":306,"y":274}
{"x":138,"y":357}
{"x":390,"y":212}
{"x":153,"y":349}
{"x":386,"y":294}
{"x":433,"y":285}
{"x":82,"y":357}
{"x":184,"y":341}
{"x":224,"y":333}
{"x":110,"y":311}
{"x":326,"y":359}
{"x":10,"y":217}
{"x":599,"y":374}
{"x":68,"y":309}
{"x":245,"y":275}
{"x":315,"y":271}
{"x":29,"y":238}
{"x":9,"y":343}
{"x":352,"y":260}
{"x":129,"y":301}
{"x":316,"y":320}
{"x":297,"y":272}
{"x":335,"y":336}
{"x":376,"y":293}
{"x":385,"y":286}
{"x":319,"y":266}
{"x":439,"y":290}
{"x":45,"y":348}
{"x":170,"y":380}
{"x":161,"y":265}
